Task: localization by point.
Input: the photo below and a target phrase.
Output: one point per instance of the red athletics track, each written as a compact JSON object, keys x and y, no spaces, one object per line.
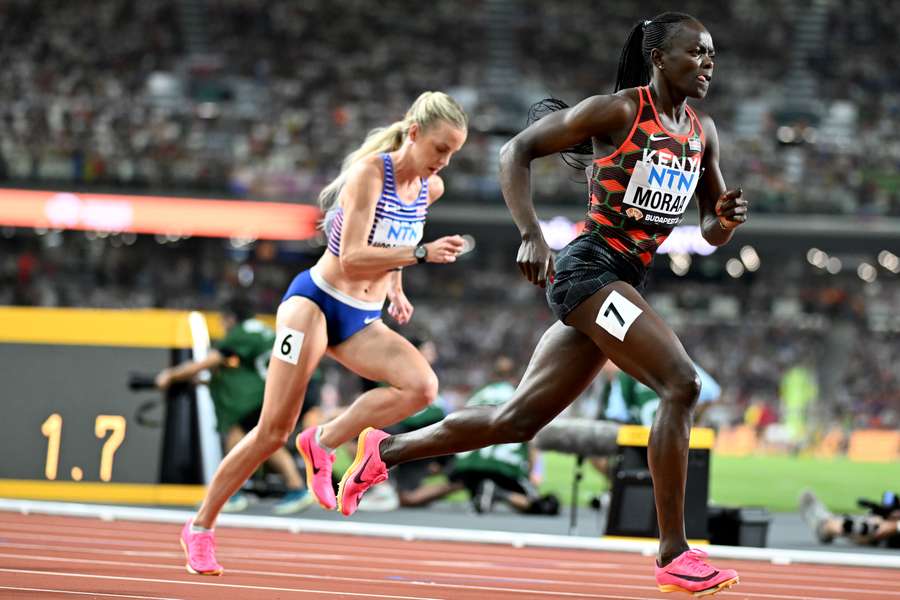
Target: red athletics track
{"x":71,"y":557}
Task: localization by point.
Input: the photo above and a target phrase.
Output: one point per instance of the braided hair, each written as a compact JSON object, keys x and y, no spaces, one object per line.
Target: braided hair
{"x":634,"y":71}
{"x":634,"y":62}
{"x":541,"y":109}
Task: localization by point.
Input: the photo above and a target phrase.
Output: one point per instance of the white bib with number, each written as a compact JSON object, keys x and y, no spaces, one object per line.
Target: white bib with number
{"x":287,"y":345}
{"x":617,"y":314}
{"x":390,"y":232}
{"x":660,"y":193}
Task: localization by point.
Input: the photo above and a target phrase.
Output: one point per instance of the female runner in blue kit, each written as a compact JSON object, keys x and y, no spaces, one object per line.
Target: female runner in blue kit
{"x":375,"y":213}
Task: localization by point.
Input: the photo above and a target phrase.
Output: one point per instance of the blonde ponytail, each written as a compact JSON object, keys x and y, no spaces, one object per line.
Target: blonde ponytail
{"x":428,"y":109}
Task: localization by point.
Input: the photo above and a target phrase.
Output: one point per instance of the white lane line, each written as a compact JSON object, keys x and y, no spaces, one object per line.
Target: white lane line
{"x":434,"y":587}
{"x":359,"y":546}
{"x":428,"y":580}
{"x":407,"y":532}
{"x":385,"y":549}
{"x":389,"y":575}
{"x":92,"y":594}
{"x":341,"y":550}
{"x":622,"y":571}
{"x":93,"y":541}
{"x":220,"y":585}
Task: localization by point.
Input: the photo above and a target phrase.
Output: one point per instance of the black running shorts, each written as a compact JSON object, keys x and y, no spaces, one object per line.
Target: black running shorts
{"x":585,"y":266}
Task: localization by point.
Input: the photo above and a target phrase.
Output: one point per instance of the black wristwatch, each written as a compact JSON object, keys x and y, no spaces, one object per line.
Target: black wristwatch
{"x":421,"y":253}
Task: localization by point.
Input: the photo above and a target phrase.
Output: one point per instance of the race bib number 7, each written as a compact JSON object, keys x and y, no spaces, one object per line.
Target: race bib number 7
{"x":617,"y":315}
{"x":287,"y":345}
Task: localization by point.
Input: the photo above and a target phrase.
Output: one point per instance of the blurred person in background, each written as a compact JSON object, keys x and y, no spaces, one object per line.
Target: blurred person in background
{"x":663,"y":153}
{"x":759,"y":415}
{"x":505,"y":473}
{"x":798,"y":391}
{"x":238,"y":364}
{"x":627,"y":400}
{"x":375,"y":215}
{"x":880,"y":526}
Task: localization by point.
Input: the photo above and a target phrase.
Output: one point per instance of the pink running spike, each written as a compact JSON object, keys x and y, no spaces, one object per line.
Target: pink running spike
{"x":367,"y":470}
{"x":200,"y":551}
{"x":690,"y":573}
{"x":318,"y":468}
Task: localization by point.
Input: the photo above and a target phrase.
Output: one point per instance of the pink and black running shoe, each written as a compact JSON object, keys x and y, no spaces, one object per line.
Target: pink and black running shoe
{"x":691,"y":574}
{"x":318,"y":468}
{"x":366,"y":470}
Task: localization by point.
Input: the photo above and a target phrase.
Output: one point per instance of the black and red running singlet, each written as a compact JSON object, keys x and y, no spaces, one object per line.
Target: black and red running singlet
{"x":639,"y":193}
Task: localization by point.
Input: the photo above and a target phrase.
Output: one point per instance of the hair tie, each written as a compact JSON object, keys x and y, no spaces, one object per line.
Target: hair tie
{"x":647,"y":22}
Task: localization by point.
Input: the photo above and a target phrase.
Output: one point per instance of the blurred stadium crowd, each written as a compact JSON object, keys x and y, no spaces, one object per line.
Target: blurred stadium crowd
{"x":262,"y":98}
{"x":747,"y":332}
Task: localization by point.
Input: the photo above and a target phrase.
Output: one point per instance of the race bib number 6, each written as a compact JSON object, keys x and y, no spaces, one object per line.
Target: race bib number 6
{"x":287,"y":345}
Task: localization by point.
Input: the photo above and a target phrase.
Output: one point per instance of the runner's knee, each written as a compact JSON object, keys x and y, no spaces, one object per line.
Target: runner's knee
{"x":273,"y":436}
{"x":422,"y":391}
{"x":683,"y":388}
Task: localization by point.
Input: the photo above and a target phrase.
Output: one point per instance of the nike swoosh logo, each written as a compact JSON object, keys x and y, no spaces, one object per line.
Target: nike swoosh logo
{"x":694,"y":577}
{"x":657,"y":137}
{"x":356,"y":478}
{"x":368,"y":320}
{"x":312,"y":459}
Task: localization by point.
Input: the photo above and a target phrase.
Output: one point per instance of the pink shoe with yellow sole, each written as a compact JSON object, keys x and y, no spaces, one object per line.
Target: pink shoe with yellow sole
{"x":366,"y":470}
{"x":691,"y":574}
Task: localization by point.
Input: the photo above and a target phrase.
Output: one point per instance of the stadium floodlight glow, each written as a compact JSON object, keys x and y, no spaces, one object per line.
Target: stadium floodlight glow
{"x":686,"y":239}
{"x":750,"y":258}
{"x":889,"y":261}
{"x":817,"y":258}
{"x":867,"y":272}
{"x":559,"y":231}
{"x":786,"y":135}
{"x":834,"y":265}
{"x":680,"y":263}
{"x":734,"y":267}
